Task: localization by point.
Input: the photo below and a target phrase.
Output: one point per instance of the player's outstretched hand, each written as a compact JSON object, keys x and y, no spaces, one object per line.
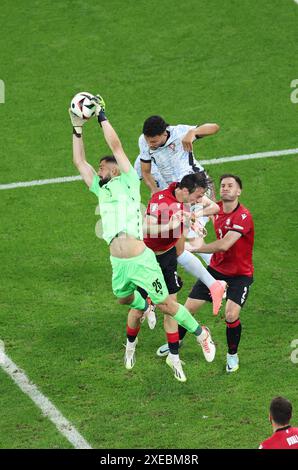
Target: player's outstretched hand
{"x":100,"y":108}
{"x":77,"y":123}
{"x":99,"y":104}
{"x":178,"y":218}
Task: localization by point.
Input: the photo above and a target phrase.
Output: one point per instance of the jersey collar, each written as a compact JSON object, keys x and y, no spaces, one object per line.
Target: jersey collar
{"x":283,"y":428}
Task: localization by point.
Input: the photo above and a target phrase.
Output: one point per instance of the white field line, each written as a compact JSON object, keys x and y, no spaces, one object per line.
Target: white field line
{"x":213,"y":161}
{"x":41,"y":401}
{"x":249,"y":156}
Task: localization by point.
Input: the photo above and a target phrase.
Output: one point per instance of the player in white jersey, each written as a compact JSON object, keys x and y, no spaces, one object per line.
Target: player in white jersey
{"x":170,"y":149}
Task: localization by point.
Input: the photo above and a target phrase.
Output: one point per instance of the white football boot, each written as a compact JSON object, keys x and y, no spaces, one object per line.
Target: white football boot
{"x":175,"y":364}
{"x":130,"y":356}
{"x":232,"y":363}
{"x":207,"y":345}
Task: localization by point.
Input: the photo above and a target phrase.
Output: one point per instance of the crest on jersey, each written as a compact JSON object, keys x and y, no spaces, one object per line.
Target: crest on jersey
{"x":228,"y":221}
{"x":172,"y":147}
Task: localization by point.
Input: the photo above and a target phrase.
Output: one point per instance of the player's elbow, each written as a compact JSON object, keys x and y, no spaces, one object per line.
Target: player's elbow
{"x":213,"y":128}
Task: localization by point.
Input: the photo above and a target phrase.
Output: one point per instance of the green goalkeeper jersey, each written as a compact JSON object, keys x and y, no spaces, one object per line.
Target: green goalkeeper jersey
{"x":120,"y":205}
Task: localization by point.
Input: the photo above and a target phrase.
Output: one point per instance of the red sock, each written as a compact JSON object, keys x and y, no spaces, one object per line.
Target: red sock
{"x":132,"y":333}
{"x":173,"y":342}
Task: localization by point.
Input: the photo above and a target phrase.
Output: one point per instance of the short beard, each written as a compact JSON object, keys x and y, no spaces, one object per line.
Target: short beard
{"x":104,"y":181}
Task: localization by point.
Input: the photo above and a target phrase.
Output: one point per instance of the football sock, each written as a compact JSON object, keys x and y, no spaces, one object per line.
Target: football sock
{"x":132,"y":333}
{"x":173,"y":342}
{"x":204,"y":220}
{"x":182,"y":332}
{"x":206,"y":257}
{"x":233,"y":331}
{"x":139,"y":303}
{"x":184,"y":318}
{"x":194,"y":266}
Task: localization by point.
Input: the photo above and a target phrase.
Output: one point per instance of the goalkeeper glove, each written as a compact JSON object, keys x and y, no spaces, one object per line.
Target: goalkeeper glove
{"x":77,"y":123}
{"x":100,"y":107}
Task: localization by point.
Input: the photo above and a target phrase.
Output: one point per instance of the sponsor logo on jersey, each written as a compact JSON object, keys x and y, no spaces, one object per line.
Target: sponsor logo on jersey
{"x":243,"y":216}
{"x":238,"y":226}
{"x":292,"y":440}
{"x":161,"y":196}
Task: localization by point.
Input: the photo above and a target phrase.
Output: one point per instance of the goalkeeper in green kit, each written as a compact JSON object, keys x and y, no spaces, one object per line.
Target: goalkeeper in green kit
{"x":117,"y":186}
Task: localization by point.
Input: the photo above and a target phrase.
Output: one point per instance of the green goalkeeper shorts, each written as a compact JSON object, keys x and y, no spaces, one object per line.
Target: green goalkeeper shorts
{"x":140,"y":271}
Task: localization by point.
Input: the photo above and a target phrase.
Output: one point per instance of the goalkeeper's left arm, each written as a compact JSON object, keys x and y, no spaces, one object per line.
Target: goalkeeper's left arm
{"x":111,"y":136}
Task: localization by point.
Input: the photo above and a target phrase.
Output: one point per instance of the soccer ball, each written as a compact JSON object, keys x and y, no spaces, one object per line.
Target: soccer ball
{"x":82,"y":106}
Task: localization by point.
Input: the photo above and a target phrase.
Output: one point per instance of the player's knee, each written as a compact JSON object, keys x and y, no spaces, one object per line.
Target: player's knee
{"x":168,"y":306}
{"x":126,"y":300}
{"x":231,"y":316}
{"x":191,"y":306}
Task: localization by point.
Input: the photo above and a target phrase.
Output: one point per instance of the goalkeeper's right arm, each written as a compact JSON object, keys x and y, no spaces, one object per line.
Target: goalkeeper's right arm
{"x":79,"y":158}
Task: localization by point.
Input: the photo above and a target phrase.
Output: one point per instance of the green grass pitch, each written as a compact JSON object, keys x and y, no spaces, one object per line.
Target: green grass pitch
{"x":192,"y":62}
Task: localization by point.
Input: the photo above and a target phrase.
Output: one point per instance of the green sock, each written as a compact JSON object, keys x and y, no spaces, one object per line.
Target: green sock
{"x":185,"y":319}
{"x":139,"y":303}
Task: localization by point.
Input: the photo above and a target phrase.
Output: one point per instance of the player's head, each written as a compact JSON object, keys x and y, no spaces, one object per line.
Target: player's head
{"x":193,"y":187}
{"x":230,"y":187}
{"x":280,"y":412}
{"x":108,"y":169}
{"x":155,"y":131}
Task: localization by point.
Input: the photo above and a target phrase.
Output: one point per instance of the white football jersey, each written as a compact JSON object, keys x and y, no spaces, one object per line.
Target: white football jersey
{"x":161,"y":184}
{"x":171,"y":160}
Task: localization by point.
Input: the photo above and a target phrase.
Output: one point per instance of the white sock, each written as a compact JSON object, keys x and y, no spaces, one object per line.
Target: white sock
{"x":206,"y":257}
{"x":194,"y":266}
{"x":174,"y":358}
{"x":203,"y":220}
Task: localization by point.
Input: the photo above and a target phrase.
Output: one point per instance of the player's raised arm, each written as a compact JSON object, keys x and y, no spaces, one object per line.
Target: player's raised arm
{"x":111,"y":136}
{"x":197,"y":133}
{"x":79,"y":158}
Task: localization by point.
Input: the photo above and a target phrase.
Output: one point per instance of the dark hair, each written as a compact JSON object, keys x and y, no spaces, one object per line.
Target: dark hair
{"x":281,"y":410}
{"x":108,"y":159}
{"x":229,"y":175}
{"x":194,"y":181}
{"x":154,"y":125}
